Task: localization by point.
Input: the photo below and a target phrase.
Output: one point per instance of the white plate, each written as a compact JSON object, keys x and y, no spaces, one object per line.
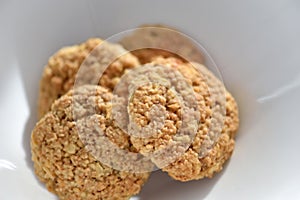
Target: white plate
{"x":255,"y":43}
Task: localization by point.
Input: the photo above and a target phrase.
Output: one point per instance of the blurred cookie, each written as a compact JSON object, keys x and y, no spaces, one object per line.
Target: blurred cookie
{"x":150,"y":41}
{"x":61,"y":71}
{"x":62,"y":161}
{"x":212,"y":144}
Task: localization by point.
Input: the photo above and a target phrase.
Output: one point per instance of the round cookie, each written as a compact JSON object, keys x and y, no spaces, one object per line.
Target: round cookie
{"x":202,"y":158}
{"x":60,"y":158}
{"x":60,"y":73}
{"x":149,"y":41}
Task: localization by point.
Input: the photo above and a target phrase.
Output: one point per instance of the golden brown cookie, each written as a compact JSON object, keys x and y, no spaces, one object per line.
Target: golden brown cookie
{"x":152,"y":40}
{"x":65,"y":165}
{"x":213,"y":142}
{"x":60,"y":73}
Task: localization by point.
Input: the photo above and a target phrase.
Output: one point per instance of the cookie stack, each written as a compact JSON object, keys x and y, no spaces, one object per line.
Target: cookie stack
{"x":106,"y":120}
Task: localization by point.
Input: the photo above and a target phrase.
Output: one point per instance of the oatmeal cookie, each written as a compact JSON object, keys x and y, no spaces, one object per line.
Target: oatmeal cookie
{"x":62,"y":161}
{"x":150,"y":41}
{"x":60,"y":73}
{"x":218,"y":122}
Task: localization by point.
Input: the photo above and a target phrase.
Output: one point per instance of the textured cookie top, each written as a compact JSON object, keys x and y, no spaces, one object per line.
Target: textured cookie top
{"x":212,"y":143}
{"x":60,"y":156}
{"x":149,"y":41}
{"x":60,"y":73}
{"x":219,"y":126}
{"x":147,"y":96}
{"x":141,"y":108}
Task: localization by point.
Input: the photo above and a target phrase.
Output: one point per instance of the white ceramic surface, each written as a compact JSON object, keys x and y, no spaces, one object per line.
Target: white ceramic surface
{"x":255,"y":43}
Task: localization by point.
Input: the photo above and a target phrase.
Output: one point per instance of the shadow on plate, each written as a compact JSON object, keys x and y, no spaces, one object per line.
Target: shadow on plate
{"x":31,"y":95}
{"x":161,"y":186}
{"x":30,"y":66}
